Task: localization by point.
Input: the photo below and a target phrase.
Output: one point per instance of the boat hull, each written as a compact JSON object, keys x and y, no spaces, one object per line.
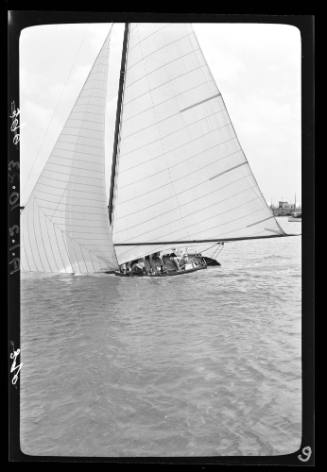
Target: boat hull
{"x":211,"y":262}
{"x":165,"y":274}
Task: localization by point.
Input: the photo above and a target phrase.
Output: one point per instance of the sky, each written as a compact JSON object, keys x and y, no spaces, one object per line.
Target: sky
{"x":257,"y":68}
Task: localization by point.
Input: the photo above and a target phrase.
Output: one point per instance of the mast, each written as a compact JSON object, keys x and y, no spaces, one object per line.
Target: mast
{"x":117,"y":124}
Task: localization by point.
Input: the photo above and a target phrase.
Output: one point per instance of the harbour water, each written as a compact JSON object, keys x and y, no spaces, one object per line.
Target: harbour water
{"x":206,"y":364}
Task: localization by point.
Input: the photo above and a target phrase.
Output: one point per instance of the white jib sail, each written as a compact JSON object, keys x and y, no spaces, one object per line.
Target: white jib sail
{"x":65,"y":226}
{"x":181,"y":173}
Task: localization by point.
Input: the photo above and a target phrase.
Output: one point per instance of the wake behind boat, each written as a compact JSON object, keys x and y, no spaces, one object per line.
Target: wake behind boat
{"x":179,"y":176}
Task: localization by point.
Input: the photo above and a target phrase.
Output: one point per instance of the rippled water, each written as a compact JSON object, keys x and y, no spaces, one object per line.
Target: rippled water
{"x":205,"y":364}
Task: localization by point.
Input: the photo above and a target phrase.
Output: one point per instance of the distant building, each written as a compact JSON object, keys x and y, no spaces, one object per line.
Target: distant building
{"x":283,"y":209}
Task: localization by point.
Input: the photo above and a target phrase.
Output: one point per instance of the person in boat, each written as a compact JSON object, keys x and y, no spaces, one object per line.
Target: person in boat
{"x":147,"y":265}
{"x":175,"y":260}
{"x":141,"y":264}
{"x":123,"y":269}
{"x":195,"y":260}
{"x":129,"y":267}
{"x":183,"y":261}
{"x":153,"y":266}
{"x":172,"y":262}
{"x":157,"y":264}
{"x":137,"y":267}
{"x":169,"y":263}
{"x":162,"y":266}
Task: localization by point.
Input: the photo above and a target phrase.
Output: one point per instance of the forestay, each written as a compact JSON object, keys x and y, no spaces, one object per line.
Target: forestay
{"x":65,"y":225}
{"x":181,"y":173}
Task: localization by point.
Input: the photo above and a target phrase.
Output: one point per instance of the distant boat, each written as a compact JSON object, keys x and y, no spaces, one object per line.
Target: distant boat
{"x":296,"y":217}
{"x":179,"y":177}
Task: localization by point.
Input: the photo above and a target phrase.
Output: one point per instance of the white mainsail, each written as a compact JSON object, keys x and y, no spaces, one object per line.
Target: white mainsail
{"x":181,"y":174}
{"x":180,"y":177}
{"x":64,"y":225}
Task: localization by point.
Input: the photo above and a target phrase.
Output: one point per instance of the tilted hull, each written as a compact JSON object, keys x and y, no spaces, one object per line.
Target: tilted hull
{"x":165,"y":274}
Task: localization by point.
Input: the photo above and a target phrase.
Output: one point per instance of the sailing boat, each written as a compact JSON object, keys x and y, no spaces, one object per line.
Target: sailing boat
{"x":296,"y":216}
{"x":179,"y":177}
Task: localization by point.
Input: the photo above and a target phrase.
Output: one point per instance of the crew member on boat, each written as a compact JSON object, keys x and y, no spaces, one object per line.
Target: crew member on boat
{"x":137,"y":267}
{"x":123,"y":268}
{"x":156,"y":262}
{"x":147,"y":265}
{"x":170,"y":262}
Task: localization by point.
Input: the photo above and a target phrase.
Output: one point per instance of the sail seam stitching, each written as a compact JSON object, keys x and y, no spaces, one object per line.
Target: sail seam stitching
{"x":181,"y":146}
{"x":185,"y":175}
{"x":188,"y":214}
{"x":204,"y":219}
{"x":165,"y":101}
{"x":159,"y":49}
{"x":184,"y":191}
{"x":174,"y":78}
{"x":160,"y":67}
{"x":176,"y":131}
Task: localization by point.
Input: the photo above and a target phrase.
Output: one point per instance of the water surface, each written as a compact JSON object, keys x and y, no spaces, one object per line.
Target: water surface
{"x":205,"y":364}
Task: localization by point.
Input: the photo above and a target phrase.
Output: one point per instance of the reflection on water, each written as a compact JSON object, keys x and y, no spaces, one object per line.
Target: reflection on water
{"x":201,"y":365}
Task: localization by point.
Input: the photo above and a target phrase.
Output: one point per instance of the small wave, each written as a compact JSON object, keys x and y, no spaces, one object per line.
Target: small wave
{"x":277,"y":256}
